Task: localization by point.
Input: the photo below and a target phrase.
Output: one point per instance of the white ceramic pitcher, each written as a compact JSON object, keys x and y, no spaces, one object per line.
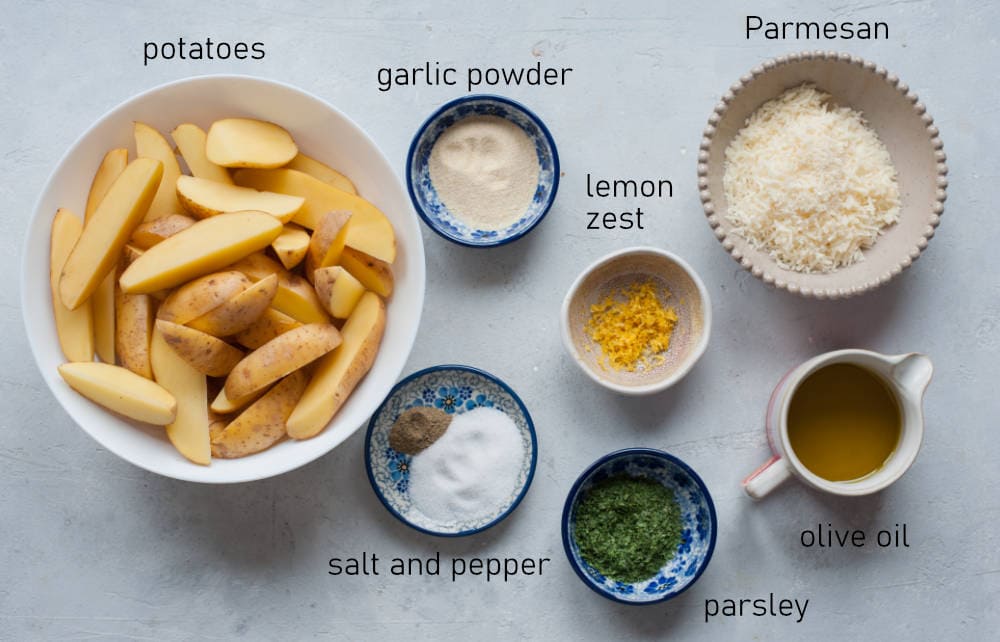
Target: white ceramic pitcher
{"x":906,"y":375}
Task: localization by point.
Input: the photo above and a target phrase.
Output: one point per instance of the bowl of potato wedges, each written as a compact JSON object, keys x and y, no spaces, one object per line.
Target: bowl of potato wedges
{"x":222,"y":279}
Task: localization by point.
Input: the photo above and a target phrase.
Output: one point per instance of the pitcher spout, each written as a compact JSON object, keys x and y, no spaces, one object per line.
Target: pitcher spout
{"x":912,"y":372}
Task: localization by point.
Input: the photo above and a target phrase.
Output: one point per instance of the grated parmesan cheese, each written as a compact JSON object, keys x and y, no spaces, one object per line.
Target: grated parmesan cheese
{"x":632,"y":327}
{"x":809,"y":182}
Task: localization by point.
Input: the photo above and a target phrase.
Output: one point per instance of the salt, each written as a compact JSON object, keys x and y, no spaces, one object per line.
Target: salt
{"x":471,"y":470}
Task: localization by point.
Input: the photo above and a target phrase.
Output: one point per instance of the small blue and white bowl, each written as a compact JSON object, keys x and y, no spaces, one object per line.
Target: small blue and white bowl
{"x":454,"y":389}
{"x":425,"y":197}
{"x":697,"y":514}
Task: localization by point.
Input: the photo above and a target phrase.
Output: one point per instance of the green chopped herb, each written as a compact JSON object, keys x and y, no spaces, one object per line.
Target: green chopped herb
{"x":628,"y":528}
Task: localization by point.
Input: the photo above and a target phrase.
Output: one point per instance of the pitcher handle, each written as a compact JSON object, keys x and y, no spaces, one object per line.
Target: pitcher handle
{"x":766,"y":478}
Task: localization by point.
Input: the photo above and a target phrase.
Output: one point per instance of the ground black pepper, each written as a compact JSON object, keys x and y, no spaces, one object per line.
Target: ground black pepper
{"x":418,"y":428}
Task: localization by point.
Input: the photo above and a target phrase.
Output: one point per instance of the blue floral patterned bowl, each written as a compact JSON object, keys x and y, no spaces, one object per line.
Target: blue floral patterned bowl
{"x":697,"y":513}
{"x":454,"y":389}
{"x":425,"y":197}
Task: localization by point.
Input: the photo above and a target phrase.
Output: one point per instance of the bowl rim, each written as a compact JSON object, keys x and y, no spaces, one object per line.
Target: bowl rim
{"x":461,"y":368}
{"x":619,"y":454}
{"x":941,"y":183}
{"x":408,"y":172}
{"x":124,"y":453}
{"x":693,"y":357}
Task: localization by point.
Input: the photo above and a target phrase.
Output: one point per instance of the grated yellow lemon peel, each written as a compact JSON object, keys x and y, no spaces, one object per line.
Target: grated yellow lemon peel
{"x":632,"y":327}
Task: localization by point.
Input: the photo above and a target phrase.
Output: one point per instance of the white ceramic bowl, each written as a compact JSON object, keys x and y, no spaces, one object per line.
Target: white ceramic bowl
{"x":322,"y":132}
{"x":688,"y":297}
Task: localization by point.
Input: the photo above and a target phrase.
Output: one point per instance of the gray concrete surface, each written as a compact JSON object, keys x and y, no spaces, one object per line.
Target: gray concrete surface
{"x":91,"y":547}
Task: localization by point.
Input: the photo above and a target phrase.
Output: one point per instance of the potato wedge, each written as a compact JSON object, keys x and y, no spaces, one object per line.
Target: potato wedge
{"x":279,"y":357}
{"x":150,"y":143}
{"x":206,"y":246}
{"x":102,"y":303}
{"x":295,"y":297}
{"x":216,"y":424}
{"x":152,"y":232}
{"x":116,"y":217}
{"x":336,"y":375}
{"x":111,"y":167}
{"x":321,"y":172}
{"x":369,"y":229}
{"x":103,"y":298}
{"x":262,"y":424}
{"x":190,"y":140}
{"x":203,"y":352}
{"x":198,"y":297}
{"x":374,"y":274}
{"x":244,"y":142}
{"x":291,"y":245}
{"x":122,"y":391}
{"x":327,"y":241}
{"x":338,"y":290}
{"x":270,"y":324}
{"x":240,"y":311}
{"x":204,"y":198}
{"x":74,"y":327}
{"x":222,"y":405}
{"x":134,"y":316}
{"x":188,"y":432}
{"x":129,"y":254}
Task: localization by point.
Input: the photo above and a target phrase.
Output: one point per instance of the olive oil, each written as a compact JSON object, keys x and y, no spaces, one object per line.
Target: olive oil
{"x":843,"y":422}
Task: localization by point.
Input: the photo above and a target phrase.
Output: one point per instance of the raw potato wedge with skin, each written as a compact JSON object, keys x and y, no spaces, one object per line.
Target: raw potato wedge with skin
{"x":222,"y":404}
{"x":337,"y":374}
{"x":240,"y":311}
{"x":190,"y":140}
{"x":134,"y":316}
{"x":279,"y":357}
{"x":216,"y":425}
{"x":189,"y":430}
{"x":206,"y":246}
{"x":202,"y":295}
{"x":74,"y":327}
{"x":150,"y":233}
{"x":204,"y":198}
{"x":291,"y":246}
{"x":295,"y":296}
{"x":327,"y":241}
{"x":338,"y":290}
{"x":244,"y":142}
{"x":203,"y":352}
{"x":122,"y":391}
{"x":369,"y":229}
{"x":103,"y":298}
{"x":270,"y":324}
{"x":262,"y":424}
{"x":108,"y":230}
{"x":111,"y":167}
{"x":150,"y":143}
{"x":322,"y":172}
{"x":374,"y":274}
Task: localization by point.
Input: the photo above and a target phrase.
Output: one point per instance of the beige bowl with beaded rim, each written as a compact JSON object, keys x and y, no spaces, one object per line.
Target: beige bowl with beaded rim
{"x":901,"y":122}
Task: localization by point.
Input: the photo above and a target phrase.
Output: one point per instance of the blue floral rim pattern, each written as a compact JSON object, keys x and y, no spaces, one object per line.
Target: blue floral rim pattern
{"x":697,"y":514}
{"x":425,"y":198}
{"x":454,"y":389}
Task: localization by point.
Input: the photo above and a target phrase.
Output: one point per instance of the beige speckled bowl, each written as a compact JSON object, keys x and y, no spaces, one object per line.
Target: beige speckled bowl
{"x":688,"y":297}
{"x":899,"y":119}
